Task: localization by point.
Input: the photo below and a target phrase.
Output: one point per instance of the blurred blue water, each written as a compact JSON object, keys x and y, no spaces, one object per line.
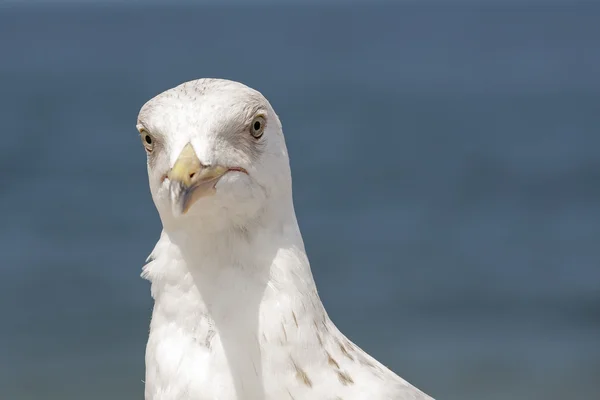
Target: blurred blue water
{"x":446,"y":165}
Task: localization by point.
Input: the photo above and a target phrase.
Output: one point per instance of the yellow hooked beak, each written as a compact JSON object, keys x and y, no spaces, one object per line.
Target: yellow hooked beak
{"x":190,"y":180}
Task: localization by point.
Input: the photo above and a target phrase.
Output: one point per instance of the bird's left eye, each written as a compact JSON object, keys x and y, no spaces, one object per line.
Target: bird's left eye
{"x":257,"y":128}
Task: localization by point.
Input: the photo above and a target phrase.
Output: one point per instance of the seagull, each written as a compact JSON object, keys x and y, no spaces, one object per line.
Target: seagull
{"x":236,"y":311}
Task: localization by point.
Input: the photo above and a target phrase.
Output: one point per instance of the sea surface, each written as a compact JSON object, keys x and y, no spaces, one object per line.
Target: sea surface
{"x":446,"y":167}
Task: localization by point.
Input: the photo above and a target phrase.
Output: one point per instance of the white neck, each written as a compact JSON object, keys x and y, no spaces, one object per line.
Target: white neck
{"x":215,"y":288}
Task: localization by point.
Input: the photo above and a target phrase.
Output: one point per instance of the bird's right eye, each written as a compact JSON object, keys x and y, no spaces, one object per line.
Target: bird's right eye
{"x":147,"y":140}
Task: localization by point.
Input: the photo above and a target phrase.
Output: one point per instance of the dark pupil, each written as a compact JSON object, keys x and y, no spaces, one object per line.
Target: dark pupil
{"x":148,"y":139}
{"x":256,"y":125}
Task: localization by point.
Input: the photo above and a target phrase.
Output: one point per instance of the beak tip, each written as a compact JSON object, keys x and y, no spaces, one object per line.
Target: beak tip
{"x":178,"y":197}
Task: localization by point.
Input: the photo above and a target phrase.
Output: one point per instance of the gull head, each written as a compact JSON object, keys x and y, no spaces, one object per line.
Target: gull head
{"x":215,"y":151}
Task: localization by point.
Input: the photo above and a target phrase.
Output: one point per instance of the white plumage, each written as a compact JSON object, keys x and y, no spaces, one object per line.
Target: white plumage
{"x":237,"y":314}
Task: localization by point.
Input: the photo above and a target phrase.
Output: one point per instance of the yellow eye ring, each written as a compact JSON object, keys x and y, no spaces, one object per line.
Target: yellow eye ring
{"x":147,"y":139}
{"x":257,"y":127}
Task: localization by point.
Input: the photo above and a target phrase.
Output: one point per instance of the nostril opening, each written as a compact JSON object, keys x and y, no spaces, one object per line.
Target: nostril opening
{"x":192,"y":175}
